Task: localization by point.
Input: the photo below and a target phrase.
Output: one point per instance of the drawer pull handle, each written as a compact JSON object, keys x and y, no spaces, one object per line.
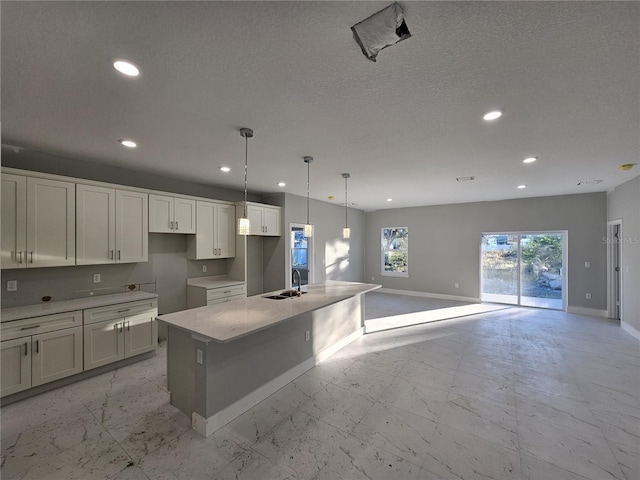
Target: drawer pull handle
{"x":125,"y":310}
{"x":20,"y":254}
{"x":25,"y":349}
{"x":37,"y":346}
{"x":30,"y":327}
{"x":30,"y":257}
{"x":128,"y":326}
{"x":121,"y":327}
{"x":176,"y":225}
{"x":110,"y":254}
{"x":119,"y":255}
{"x":227,"y":291}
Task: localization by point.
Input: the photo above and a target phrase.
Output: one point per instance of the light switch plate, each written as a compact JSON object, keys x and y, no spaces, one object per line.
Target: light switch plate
{"x":12,"y":286}
{"x":96,"y":278}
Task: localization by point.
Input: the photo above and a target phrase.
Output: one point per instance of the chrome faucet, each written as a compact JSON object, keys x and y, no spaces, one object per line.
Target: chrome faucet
{"x":293,"y":279}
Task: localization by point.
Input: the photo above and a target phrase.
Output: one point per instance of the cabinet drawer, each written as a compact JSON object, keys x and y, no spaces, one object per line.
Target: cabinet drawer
{"x":121,"y":310}
{"x":43,"y":324}
{"x":216,"y":293}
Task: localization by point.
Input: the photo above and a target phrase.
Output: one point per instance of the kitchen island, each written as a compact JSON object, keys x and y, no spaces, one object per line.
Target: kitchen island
{"x":224,"y":359}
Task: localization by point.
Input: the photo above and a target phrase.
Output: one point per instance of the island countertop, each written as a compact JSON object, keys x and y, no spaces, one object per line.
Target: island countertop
{"x":226,"y":322}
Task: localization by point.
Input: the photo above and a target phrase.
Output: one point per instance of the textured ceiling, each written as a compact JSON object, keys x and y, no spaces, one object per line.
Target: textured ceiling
{"x":566,"y":75}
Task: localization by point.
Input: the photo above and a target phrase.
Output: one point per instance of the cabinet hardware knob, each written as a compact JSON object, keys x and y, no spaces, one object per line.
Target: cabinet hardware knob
{"x":128,"y":326}
{"x":119,"y":255}
{"x":30,"y":257}
{"x":176,"y":225}
{"x":110,"y":254}
{"x":121,"y":327}
{"x":20,"y":254}
{"x":30,"y":327}
{"x":171,"y":225}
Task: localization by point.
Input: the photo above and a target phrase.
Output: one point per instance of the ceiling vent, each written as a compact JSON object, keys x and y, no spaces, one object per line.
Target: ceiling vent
{"x":590,"y":182}
{"x":465,"y":179}
{"x":381,"y":30}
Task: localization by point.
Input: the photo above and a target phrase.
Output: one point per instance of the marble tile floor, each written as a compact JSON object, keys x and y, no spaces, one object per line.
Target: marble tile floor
{"x":512,"y":394}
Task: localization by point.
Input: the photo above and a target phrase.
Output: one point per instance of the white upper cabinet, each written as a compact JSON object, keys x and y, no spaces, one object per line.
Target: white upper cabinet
{"x":38,"y":222}
{"x":215,"y":233}
{"x":265,"y":219}
{"x":171,"y":214}
{"x":111,"y":225}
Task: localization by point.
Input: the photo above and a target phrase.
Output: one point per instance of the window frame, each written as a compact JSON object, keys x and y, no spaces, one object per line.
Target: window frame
{"x":383,"y":272}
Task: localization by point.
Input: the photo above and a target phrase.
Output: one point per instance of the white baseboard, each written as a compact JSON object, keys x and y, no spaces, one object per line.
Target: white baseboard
{"x":592,"y":312}
{"x":429,"y":295}
{"x":630,"y":330}
{"x":207,"y":426}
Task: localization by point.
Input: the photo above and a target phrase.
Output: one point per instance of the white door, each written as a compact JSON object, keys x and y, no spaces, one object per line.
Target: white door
{"x":132,"y":231}
{"x":103,"y":343}
{"x":140,"y":335}
{"x":51,"y":223}
{"x":56,"y":355}
{"x":160,"y":214}
{"x":95,"y":225}
{"x":15,"y":365}
{"x":14,"y":221}
{"x":184,"y":215}
{"x":226,"y":231}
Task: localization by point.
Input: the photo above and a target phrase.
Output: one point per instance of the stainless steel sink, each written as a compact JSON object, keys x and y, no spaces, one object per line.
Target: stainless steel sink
{"x":275,"y":297}
{"x":290,"y":293}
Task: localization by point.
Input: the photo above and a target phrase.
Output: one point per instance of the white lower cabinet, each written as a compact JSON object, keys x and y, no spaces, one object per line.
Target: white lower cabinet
{"x":39,"y":350}
{"x":121,"y":331}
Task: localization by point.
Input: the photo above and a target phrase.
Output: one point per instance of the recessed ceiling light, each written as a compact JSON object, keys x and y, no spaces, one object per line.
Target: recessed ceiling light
{"x":282,"y":184}
{"x":126,"y":68}
{"x":529,"y":159}
{"x":492,"y":115}
{"x":389,"y":199}
{"x":521,"y":186}
{"x":128,"y":143}
{"x":225,"y":169}
{"x":465,"y":179}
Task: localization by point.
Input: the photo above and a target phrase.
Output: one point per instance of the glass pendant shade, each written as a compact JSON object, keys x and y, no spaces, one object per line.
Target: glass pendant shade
{"x":244,"y":225}
{"x":346,"y":232}
{"x":308,"y":230}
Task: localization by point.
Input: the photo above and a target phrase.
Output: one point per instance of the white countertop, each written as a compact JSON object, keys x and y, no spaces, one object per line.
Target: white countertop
{"x":28,"y":311}
{"x":214,"y":281}
{"x":225,"y":322}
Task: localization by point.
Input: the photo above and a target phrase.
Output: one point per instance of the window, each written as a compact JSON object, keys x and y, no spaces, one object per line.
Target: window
{"x":395,"y":251}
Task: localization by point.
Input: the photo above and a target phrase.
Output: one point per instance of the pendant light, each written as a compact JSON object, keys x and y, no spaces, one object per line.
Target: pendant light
{"x":308,"y":228}
{"x":346,"y":231}
{"x":244,"y":225}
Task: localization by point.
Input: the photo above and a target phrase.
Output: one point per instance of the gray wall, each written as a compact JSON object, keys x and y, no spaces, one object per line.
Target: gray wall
{"x":624,"y":204}
{"x":444,"y":242}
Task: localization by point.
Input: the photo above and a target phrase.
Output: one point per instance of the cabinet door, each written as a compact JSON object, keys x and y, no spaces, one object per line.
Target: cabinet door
{"x":254,"y":214}
{"x":140,"y":335}
{"x":184,"y":216}
{"x":51,"y":223}
{"x":160,"y":214}
{"x":15,"y":365}
{"x":271,"y":221}
{"x":225,"y":231}
{"x":14,"y":221}
{"x":56,"y":355}
{"x":103,"y":343}
{"x":95,"y":225}
{"x":132,"y":227}
{"x":205,"y":233}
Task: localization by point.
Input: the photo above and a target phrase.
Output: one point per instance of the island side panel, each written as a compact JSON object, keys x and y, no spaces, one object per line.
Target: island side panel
{"x":181,"y":364}
{"x":237,"y":368}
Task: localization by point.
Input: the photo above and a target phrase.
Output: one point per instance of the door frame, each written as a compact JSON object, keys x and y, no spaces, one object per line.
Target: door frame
{"x":611,"y":253}
{"x":565,"y":261}
{"x":310,"y":257}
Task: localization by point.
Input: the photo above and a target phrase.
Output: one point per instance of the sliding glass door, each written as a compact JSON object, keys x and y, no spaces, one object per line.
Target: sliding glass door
{"x":524,"y":269}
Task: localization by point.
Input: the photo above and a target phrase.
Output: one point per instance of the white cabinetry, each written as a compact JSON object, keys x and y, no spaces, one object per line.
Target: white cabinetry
{"x":171,"y":214}
{"x":39,"y":350}
{"x":215,"y":232}
{"x":265,"y":219}
{"x":201,"y":292}
{"x":111,"y":225}
{"x":38,"y":222}
{"x":120,"y":331}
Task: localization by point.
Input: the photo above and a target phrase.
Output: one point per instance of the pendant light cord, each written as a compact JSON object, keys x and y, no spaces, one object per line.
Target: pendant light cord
{"x":346,"y":204}
{"x":308,"y":177}
{"x":246,"y":156}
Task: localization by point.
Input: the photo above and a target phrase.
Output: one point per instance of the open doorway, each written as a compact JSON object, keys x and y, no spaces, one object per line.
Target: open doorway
{"x":300,"y":256}
{"x":524,"y":268}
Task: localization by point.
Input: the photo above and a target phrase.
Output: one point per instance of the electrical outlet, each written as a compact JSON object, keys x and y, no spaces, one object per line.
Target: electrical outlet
{"x":457,"y":285}
{"x":373,"y":279}
{"x":204,"y":269}
{"x":587,"y":264}
{"x":588,"y":296}
{"x":199,"y":356}
{"x":307,"y":336}
{"x":96,"y":278}
{"x":12,"y":286}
